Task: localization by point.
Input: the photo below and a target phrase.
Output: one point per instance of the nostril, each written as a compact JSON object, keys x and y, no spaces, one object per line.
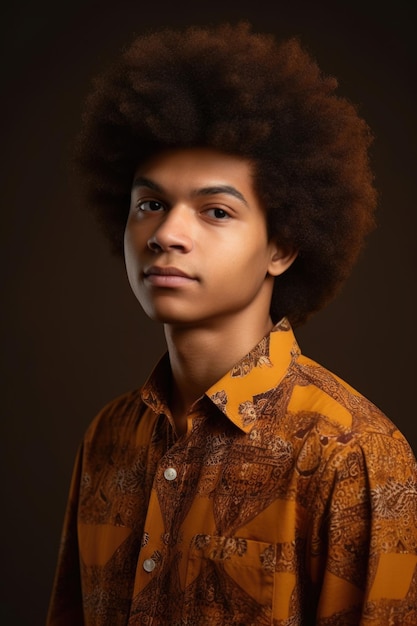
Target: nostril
{"x":154,"y":245}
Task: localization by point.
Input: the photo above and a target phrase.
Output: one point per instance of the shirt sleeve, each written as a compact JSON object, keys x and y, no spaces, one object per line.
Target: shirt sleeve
{"x":364,"y":551}
{"x":65,"y":608}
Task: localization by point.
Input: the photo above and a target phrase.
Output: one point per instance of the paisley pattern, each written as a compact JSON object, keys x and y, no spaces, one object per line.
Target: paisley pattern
{"x":292,"y":500}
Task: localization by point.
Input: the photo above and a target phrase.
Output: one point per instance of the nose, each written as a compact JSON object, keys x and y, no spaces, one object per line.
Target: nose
{"x":173,"y":232}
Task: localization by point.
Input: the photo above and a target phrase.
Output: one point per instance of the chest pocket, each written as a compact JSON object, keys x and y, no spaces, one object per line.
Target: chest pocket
{"x":230,"y":580}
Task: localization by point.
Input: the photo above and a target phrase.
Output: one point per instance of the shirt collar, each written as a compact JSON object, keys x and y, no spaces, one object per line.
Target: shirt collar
{"x":259,"y":371}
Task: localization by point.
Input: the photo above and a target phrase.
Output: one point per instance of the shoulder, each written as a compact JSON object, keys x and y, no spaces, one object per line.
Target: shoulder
{"x":343,"y":434}
{"x":334,"y":403}
{"x":119,"y":415}
{"x":332,"y":427}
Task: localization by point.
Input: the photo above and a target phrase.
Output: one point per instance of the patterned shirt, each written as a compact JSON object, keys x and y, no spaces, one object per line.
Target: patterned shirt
{"x":291,"y":500}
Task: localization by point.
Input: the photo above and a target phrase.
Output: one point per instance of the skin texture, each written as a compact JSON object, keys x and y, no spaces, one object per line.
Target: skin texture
{"x":195,"y":212}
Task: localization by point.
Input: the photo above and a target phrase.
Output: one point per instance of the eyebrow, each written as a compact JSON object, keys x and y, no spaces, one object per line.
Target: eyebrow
{"x":212,"y":190}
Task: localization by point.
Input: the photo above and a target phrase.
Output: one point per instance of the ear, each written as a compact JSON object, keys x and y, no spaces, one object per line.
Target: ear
{"x":282,"y":256}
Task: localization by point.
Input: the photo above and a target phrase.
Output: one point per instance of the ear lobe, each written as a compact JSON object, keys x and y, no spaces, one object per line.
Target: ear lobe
{"x":281,"y":259}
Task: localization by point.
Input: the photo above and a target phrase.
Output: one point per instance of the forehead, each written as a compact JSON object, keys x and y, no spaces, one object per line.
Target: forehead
{"x":198,"y":167}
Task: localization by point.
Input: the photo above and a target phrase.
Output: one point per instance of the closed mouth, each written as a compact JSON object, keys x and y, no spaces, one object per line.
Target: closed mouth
{"x":166,"y":271}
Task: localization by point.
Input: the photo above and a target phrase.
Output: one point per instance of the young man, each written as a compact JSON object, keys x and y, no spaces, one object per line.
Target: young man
{"x":243,"y":483}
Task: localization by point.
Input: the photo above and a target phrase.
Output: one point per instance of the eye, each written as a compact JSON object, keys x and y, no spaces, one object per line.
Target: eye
{"x":218,"y":213}
{"x":150,"y":206}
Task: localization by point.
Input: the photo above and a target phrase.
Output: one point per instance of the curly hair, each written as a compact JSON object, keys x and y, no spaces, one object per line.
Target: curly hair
{"x":231,"y":89}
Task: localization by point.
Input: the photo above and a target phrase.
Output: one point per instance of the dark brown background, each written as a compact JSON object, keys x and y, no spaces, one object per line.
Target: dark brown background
{"x":74,"y":336}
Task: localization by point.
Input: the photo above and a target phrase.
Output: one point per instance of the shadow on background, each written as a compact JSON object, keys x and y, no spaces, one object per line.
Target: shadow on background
{"x":74,"y":337}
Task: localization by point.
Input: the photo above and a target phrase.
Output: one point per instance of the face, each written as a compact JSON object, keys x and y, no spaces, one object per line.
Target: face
{"x":196,"y":245}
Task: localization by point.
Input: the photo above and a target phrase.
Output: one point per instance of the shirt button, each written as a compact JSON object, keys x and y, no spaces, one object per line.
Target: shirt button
{"x":170,"y":473}
{"x":149,"y":565}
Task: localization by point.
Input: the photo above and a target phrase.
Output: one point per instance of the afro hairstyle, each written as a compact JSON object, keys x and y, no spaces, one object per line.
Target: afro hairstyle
{"x":228,"y":88}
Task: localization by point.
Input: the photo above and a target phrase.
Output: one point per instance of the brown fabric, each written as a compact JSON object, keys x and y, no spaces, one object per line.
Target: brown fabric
{"x":293,"y":502}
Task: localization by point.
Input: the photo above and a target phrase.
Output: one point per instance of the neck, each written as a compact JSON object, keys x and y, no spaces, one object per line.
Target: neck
{"x":201,"y":355}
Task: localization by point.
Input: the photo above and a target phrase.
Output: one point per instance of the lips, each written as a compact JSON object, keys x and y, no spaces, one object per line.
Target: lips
{"x":165,"y":271}
{"x":167,"y":276}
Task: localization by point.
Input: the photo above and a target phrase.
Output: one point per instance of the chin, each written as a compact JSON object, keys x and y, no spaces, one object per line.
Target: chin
{"x":165,"y":317}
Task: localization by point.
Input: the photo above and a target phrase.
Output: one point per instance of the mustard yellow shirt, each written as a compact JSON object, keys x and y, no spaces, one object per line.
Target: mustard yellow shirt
{"x":291,"y":500}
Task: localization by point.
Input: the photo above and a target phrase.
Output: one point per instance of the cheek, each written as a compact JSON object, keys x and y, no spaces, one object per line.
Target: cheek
{"x":129,"y":258}
{"x":240,"y":276}
{"x":134,"y":241}
{"x":252,"y":257}
{"x":132,"y":260}
{"x":127,"y":240}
